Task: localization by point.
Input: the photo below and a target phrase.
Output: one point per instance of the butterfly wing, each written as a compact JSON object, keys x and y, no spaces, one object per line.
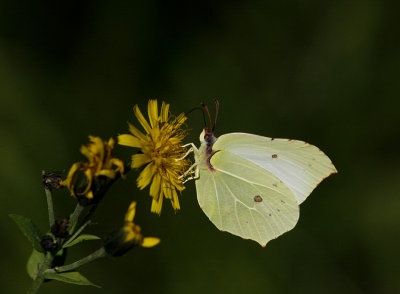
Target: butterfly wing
{"x":299,"y":165}
{"x":246,"y":200}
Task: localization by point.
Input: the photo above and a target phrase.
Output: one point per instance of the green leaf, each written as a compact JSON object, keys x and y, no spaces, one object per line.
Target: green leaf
{"x":81,"y":238}
{"x":34,"y":262}
{"x":29,"y":229}
{"x":70,"y":277}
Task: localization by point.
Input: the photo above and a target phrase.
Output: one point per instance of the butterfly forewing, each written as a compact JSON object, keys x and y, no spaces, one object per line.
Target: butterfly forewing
{"x":299,"y":165}
{"x":245,"y":199}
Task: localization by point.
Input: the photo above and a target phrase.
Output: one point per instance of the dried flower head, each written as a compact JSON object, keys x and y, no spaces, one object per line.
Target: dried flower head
{"x":51,"y":181}
{"x":161,"y":153}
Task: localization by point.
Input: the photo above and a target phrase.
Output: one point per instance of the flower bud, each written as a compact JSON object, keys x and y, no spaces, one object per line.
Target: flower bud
{"x":121,"y":240}
{"x":60,"y":228}
{"x":127,"y":236}
{"x":47,"y":242}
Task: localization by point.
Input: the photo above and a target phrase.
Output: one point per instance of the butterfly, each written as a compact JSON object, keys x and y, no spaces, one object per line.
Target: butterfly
{"x":251,"y":186}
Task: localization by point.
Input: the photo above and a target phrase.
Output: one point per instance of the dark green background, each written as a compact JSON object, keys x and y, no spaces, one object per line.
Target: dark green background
{"x":326,"y":72}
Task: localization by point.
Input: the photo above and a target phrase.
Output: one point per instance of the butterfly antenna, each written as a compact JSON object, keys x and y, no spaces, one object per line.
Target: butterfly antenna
{"x":216,"y":113}
{"x":209,"y":115}
{"x":202,"y":111}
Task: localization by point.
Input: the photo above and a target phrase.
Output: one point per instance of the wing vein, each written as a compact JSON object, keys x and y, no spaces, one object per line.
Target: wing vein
{"x":235,"y":208}
{"x":247,"y":181}
{"x":217,"y":197}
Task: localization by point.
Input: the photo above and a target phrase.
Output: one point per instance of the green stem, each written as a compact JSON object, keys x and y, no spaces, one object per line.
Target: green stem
{"x":50,"y":206}
{"x":77,"y":233}
{"x":37,"y":282}
{"x":90,"y":213}
{"x":73,"y":220}
{"x":95,"y":255}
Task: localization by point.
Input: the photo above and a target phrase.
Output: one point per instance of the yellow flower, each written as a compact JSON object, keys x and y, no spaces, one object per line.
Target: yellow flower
{"x":123,"y":239}
{"x":101,"y":163}
{"x":161,"y":152}
{"x":133,"y":231}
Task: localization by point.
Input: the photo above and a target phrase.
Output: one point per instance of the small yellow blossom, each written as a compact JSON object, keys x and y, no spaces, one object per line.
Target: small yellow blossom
{"x":161,"y":153}
{"x":133,"y":231}
{"x":130,"y":235}
{"x":101,"y":163}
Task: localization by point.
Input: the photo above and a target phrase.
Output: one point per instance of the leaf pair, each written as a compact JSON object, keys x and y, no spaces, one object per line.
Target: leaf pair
{"x":32,"y":232}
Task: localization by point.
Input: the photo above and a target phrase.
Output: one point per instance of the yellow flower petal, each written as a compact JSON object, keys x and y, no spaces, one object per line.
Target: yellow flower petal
{"x":98,"y":147}
{"x":89,"y":177}
{"x":137,"y":133}
{"x":155,"y":186}
{"x":109,"y":173}
{"x":146,"y":176}
{"x":129,"y":140}
{"x":130,"y":232}
{"x":164,"y":112}
{"x":175,"y":201}
{"x":167,"y":190}
{"x":139,"y":160}
{"x":85,"y":151}
{"x":111,"y":143}
{"x":180,"y":120}
{"x":90,"y":195}
{"x":72,"y":171}
{"x":152,"y":110}
{"x":156,"y":205}
{"x":120,"y":166}
{"x":150,"y":242}
{"x":155,"y":134}
{"x":141,"y":118}
{"x":130,"y":214}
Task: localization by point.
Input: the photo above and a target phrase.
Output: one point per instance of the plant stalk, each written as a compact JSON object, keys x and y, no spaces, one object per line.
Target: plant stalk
{"x":90,"y":212}
{"x":95,"y":255}
{"x":50,"y":206}
{"x":37,"y":282}
{"x":75,"y":217}
{"x":76,"y":233}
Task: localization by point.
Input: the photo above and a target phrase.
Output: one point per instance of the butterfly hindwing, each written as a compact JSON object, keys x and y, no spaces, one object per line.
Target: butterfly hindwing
{"x":242,"y":198}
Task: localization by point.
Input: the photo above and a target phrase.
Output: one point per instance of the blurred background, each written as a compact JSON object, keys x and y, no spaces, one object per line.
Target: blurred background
{"x":323,"y":72}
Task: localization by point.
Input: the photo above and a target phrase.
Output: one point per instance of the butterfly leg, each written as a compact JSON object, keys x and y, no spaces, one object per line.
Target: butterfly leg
{"x":195,"y":177}
{"x":191,"y":149}
{"x":188,"y":171}
{"x":190,"y":178}
{"x":191,"y":172}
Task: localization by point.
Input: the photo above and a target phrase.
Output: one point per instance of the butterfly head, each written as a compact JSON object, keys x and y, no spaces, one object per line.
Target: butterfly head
{"x":207,"y":135}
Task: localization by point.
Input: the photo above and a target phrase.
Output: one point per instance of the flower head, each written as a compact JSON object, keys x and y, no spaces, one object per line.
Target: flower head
{"x":161,"y":153}
{"x":51,"y":181}
{"x":82,"y":176}
{"x":128,"y":236}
